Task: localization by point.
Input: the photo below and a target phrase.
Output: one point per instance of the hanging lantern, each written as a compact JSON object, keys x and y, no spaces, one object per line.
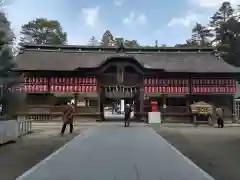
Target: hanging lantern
{"x":77,"y":80}
{"x":45,"y":80}
{"x":145,"y":89}
{"x":43,"y":88}
{"x":149,"y":89}
{"x":90,"y":80}
{"x":74,"y":88}
{"x":194,"y":89}
{"x":83,"y":88}
{"x":64,"y":80}
{"x":33,"y":80}
{"x":63,"y":88}
{"x":83,"y":80}
{"x":87,"y":80}
{"x":68,"y":89}
{"x":87,"y":88}
{"x":94,"y":80}
{"x":69,"y":81}
{"x":55,"y":81}
{"x":80,"y":88}
{"x":149,"y":81}
{"x":28,"y":88}
{"x":39,"y":88}
{"x":55,"y":88}
{"x":145,"y":81}
{"x":90,"y":89}
{"x":38,"y":80}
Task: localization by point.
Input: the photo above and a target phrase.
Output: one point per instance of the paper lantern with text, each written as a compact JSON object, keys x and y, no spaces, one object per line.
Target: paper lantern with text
{"x":145,"y":89}
{"x":90,"y":80}
{"x":83,"y":80}
{"x":77,"y":80}
{"x":55,"y":88}
{"x":94,"y":80}
{"x":149,"y":81}
{"x":149,"y":89}
{"x":64,"y":80}
{"x":87,"y":80}
{"x":163,"y":89}
{"x":86,"y":88}
{"x":36,"y":88}
{"x":63,"y":88}
{"x":55,"y":81}
{"x":67,"y":88}
{"x":145,"y":81}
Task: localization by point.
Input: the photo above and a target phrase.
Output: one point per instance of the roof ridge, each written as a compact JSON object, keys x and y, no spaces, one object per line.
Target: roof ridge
{"x":115,"y":48}
{"x":118,"y":53}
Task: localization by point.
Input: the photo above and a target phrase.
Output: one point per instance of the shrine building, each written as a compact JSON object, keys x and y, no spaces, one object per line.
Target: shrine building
{"x":96,"y":76}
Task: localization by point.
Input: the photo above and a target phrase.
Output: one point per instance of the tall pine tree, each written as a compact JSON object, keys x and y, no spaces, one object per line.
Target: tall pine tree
{"x":224,"y":13}
{"x":8,"y":78}
{"x":201,"y":34}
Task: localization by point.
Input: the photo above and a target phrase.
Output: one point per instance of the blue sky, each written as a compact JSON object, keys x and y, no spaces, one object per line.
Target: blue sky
{"x":168,"y":21}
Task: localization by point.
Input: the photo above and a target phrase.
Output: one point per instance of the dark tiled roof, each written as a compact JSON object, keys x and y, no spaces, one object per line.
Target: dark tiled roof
{"x":73,"y":57}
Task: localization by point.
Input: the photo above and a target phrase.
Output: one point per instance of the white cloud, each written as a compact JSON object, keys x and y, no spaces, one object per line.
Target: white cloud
{"x":213,"y":3}
{"x":188,"y":20}
{"x":141,"y":19}
{"x":118,"y":2}
{"x":91,"y":16}
{"x":135,"y":19}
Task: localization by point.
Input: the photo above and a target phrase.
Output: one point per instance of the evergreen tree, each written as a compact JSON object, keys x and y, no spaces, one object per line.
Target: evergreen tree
{"x":201,"y":34}
{"x":43,"y":31}
{"x":8,"y":78}
{"x":224,"y":13}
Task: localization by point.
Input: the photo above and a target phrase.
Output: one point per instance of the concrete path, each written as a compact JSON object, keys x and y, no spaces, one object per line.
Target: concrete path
{"x":112,"y":152}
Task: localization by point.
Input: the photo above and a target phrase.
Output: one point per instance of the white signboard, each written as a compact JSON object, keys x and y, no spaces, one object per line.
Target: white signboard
{"x":154,"y":117}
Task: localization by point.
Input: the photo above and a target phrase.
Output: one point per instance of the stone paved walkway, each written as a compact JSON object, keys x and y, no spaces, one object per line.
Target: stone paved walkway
{"x":112,"y":152}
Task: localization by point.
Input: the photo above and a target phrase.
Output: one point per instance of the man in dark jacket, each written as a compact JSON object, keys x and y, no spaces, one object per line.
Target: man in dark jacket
{"x":68,"y":118}
{"x":127,"y":115}
{"x":220,"y":120}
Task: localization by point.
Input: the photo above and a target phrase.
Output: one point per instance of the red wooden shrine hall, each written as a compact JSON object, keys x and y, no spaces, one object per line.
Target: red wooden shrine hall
{"x":162,"y":85}
{"x":58,"y":84}
{"x":214,"y":86}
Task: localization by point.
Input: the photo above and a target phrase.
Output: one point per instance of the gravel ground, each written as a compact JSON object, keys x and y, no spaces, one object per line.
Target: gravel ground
{"x":16,"y":158}
{"x":217,"y":151}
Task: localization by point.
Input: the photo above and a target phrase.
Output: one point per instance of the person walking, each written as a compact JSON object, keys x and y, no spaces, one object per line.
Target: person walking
{"x":127,"y":115}
{"x":68,"y":118}
{"x":220,"y":119}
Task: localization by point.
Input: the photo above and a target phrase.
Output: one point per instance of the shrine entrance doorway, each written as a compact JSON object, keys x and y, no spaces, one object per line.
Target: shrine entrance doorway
{"x":114,"y":100}
{"x":120,"y":82}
